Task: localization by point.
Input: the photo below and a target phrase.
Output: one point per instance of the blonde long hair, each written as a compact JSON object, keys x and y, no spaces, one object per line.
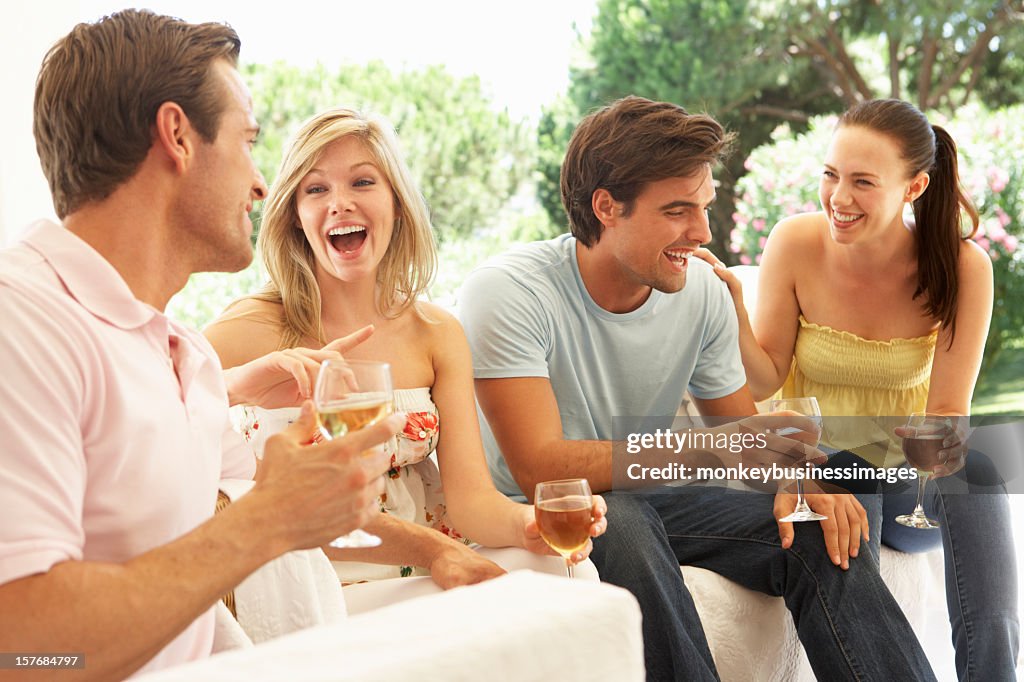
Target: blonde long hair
{"x":408,"y":266}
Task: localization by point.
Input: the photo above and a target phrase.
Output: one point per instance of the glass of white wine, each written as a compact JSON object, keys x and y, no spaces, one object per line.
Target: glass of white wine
{"x":564,"y":513}
{"x":350,"y":395}
{"x":923,"y":439}
{"x":807,"y":407}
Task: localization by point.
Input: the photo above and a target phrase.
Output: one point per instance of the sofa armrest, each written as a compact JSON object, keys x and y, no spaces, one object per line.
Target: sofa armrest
{"x":521,"y":626}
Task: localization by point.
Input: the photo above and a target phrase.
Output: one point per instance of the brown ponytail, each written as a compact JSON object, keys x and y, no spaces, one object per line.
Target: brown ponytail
{"x":939,"y":217}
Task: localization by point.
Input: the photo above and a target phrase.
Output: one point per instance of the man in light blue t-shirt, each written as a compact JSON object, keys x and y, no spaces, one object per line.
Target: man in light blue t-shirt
{"x":618,"y":320}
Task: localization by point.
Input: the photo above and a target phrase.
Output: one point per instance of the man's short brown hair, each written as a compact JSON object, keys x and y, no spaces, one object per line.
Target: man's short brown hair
{"x":100,"y":87}
{"x":628,"y":144}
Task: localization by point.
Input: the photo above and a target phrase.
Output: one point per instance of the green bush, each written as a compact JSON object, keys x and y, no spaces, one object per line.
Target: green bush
{"x":208,"y":293}
{"x":783,"y":180}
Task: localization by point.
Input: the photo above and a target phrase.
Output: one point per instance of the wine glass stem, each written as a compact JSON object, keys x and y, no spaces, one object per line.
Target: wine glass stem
{"x":570,"y":569}
{"x":801,"y":504}
{"x":922,"y":481}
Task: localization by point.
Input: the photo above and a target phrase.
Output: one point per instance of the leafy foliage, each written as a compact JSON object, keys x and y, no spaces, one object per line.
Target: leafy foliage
{"x":467,"y":158}
{"x":756,"y":64}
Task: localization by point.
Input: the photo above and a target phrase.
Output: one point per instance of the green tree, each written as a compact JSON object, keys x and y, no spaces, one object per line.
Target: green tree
{"x":755,"y":64}
{"x":467,"y":158}
{"x":554,"y":128}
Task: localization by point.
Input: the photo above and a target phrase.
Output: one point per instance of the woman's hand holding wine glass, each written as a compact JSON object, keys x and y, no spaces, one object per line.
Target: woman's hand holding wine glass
{"x":931,"y":444}
{"x":564,"y":512}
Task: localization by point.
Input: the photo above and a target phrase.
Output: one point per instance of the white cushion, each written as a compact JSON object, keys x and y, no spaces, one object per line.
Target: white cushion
{"x":523,"y":626}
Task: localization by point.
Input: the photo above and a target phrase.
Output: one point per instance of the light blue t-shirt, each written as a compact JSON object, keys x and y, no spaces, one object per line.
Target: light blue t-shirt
{"x":527,"y":313}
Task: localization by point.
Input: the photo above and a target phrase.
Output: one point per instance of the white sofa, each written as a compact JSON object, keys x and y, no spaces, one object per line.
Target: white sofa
{"x":523,"y":626}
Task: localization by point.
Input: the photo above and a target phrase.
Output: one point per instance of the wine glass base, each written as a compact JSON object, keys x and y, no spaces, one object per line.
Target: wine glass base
{"x":807,"y":515}
{"x":916,"y":521}
{"x":355,"y":540}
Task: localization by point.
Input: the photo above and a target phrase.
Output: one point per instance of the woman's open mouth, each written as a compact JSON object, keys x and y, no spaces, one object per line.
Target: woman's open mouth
{"x":348,"y":240}
{"x":843,"y":220}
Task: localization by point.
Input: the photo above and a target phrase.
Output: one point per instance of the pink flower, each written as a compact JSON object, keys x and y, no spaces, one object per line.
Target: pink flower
{"x":984,"y":243}
{"x":748,"y":164}
{"x":997,"y":179}
{"x":745,"y":259}
{"x":769,"y":185}
{"x":1010,"y":243}
{"x":1004,"y":219}
{"x":759,"y":224}
{"x":762,"y":241}
{"x":420,"y":425}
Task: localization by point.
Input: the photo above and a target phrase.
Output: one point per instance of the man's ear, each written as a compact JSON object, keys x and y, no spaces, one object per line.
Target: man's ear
{"x":605,"y":208}
{"x":174,"y":135}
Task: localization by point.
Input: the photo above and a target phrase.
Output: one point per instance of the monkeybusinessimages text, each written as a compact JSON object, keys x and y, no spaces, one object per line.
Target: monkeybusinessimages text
{"x":679,"y":442}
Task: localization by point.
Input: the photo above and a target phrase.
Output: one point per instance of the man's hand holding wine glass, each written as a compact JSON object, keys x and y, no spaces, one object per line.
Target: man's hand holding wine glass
{"x":309,"y":494}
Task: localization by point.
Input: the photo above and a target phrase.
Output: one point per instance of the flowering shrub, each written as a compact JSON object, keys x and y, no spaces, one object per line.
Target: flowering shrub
{"x":782,"y":180}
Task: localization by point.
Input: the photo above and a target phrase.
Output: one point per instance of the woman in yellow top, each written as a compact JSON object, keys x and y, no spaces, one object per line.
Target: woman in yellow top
{"x":886,"y":316}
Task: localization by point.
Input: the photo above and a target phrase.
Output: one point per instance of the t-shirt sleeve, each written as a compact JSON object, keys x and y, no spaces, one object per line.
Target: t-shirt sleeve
{"x":719,"y":370}
{"x":508,"y":330}
{"x":43,"y":476}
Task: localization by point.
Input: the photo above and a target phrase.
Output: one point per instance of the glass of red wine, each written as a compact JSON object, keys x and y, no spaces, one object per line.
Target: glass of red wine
{"x":923,"y":442}
{"x":564,"y":513}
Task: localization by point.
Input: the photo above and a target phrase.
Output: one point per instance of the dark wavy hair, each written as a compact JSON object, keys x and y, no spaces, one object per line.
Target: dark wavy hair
{"x":626,"y":145}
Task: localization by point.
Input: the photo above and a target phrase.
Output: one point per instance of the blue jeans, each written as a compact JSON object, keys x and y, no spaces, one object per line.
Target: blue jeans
{"x":848,"y":621}
{"x":980,"y":562}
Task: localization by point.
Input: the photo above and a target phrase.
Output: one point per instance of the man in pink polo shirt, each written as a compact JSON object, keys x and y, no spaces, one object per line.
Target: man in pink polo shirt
{"x":113,"y":418}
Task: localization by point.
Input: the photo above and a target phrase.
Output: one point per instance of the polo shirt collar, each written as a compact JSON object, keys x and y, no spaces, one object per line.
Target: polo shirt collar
{"x":89,"y":277}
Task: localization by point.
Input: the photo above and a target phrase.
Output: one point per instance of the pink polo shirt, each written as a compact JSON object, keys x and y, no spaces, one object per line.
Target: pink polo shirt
{"x":113,"y":420}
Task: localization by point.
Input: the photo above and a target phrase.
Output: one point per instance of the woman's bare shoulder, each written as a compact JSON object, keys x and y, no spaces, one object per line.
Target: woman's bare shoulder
{"x":246,"y":330}
{"x":435,"y":315}
{"x":974,"y":261}
{"x":800,"y":228}
{"x":796,"y":236}
{"x":439,"y":329}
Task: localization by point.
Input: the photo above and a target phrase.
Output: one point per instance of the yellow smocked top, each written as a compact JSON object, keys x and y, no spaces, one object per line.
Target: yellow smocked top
{"x":854,"y":376}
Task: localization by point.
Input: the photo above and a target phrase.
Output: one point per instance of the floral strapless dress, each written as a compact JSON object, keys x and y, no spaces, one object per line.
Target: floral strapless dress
{"x":412,"y":489}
